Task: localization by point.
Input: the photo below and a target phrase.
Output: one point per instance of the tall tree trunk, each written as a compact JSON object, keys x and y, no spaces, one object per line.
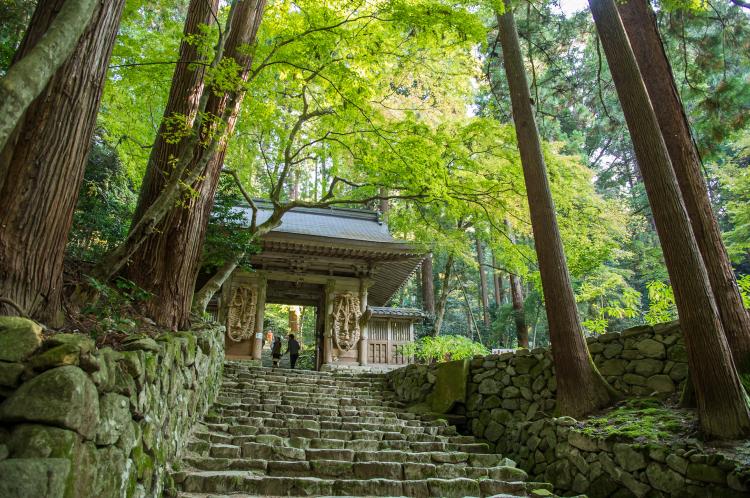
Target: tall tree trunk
{"x":519,"y":315}
{"x":484,"y":294}
{"x":640,"y":24}
{"x":30,"y":74}
{"x":428,"y":286}
{"x":580,"y":387}
{"x":497,"y":279}
{"x":517,"y":299}
{"x":383,"y":204}
{"x":166,"y":264}
{"x":443,"y":298}
{"x":182,"y":104}
{"x":42,"y":164}
{"x":722,"y":402}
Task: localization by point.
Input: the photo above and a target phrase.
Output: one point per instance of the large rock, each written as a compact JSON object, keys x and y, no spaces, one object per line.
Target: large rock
{"x":10,"y":373}
{"x":114,"y":418}
{"x":647,"y":367}
{"x":33,"y":477}
{"x":613,"y":367}
{"x":19,"y":338}
{"x":64,"y":397}
{"x":661,"y":384}
{"x":628,"y":458}
{"x":664,"y":478}
{"x":651,"y":348}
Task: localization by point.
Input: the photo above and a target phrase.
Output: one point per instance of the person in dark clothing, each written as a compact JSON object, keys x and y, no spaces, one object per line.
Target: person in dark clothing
{"x":276,"y":351}
{"x":293,"y":349}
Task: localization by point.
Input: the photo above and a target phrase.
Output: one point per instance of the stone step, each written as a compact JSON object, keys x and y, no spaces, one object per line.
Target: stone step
{"x":309,"y":432}
{"x":353,"y":444}
{"x":266,"y":451}
{"x":259,"y":417}
{"x":331,"y":412}
{"x":343,"y":469}
{"x":247,"y":482}
{"x":316,"y":401}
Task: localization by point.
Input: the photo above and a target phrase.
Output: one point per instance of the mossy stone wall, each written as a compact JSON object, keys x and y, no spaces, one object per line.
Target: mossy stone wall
{"x":510,"y":403}
{"x":80,"y":421}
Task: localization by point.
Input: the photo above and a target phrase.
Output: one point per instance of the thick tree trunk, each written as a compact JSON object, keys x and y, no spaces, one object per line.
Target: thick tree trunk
{"x":42,"y":165}
{"x":580,"y":387}
{"x":166,"y":264}
{"x":721,"y":399}
{"x":640,"y":24}
{"x":182,"y":104}
{"x":30,"y":74}
{"x":484,"y":294}
{"x":497,"y":280}
{"x":443,"y":298}
{"x":428,"y":286}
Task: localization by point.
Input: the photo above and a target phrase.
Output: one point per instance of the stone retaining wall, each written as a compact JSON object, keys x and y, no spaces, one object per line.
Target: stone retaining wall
{"x":79,"y":421}
{"x":511,"y":403}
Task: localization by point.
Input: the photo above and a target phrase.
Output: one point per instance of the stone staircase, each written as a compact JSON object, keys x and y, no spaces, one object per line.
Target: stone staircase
{"x":303,"y":433}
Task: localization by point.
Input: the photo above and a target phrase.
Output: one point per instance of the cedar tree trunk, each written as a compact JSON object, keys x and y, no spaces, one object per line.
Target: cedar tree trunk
{"x":443,"y":298}
{"x":640,"y":24}
{"x":428,"y":286}
{"x":721,"y":399}
{"x":42,"y":164}
{"x":580,"y":387}
{"x":483,"y":289}
{"x":167,"y":262}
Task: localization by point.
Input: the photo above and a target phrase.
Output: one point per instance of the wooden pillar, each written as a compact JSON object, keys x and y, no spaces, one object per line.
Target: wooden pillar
{"x":260,"y":310}
{"x":363,"y":341}
{"x":328,"y":335}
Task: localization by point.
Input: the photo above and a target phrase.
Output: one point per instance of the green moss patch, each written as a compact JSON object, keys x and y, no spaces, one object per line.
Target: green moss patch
{"x":644,"y":420}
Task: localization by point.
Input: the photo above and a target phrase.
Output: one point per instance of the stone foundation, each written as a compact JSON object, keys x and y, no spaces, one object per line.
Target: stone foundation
{"x":510,"y":403}
{"x":79,"y":421}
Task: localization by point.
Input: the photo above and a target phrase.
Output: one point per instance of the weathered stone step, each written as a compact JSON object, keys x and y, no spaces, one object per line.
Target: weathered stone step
{"x":344,"y":469}
{"x":270,"y":384}
{"x":242,"y":481}
{"x":315,"y":401}
{"x":281,"y":394}
{"x":338,"y":411}
{"x":364,"y":429}
{"x":255,"y":417}
{"x":353,"y":444}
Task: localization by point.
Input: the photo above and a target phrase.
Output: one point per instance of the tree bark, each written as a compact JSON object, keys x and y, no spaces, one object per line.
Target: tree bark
{"x":204,"y":295}
{"x":580,"y":387}
{"x":640,"y":24}
{"x":519,"y":315}
{"x":182,"y":104}
{"x":721,"y":399}
{"x":166,"y":263}
{"x":484,"y":294}
{"x":30,"y":74}
{"x":497,"y":278}
{"x":443,"y":298}
{"x":42,"y":164}
{"x":517,"y":299}
{"x":428,"y":286}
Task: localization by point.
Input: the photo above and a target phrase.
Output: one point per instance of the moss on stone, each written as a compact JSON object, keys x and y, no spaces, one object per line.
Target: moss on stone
{"x":450,"y":385}
{"x":644,"y":420}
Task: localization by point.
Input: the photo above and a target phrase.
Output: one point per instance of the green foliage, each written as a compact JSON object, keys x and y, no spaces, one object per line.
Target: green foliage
{"x":14,"y":17}
{"x":443,"y":348}
{"x":643,"y":420}
{"x":661,"y":307}
{"x":114,"y":305}
{"x":744,"y":284}
{"x":106,"y":202}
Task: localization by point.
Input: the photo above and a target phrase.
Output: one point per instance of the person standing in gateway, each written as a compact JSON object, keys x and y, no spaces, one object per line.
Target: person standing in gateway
{"x":292,"y":348}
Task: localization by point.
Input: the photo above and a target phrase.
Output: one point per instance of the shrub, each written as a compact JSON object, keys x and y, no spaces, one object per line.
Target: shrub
{"x":443,"y":348}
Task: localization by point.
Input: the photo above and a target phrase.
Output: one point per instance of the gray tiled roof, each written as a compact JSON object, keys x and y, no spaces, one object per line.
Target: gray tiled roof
{"x":338,"y":223}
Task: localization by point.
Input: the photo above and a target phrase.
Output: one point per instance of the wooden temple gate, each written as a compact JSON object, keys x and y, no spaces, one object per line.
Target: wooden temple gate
{"x":345,"y":263}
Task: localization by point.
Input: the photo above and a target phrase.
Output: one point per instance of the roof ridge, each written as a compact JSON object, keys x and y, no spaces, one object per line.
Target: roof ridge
{"x":340,"y":212}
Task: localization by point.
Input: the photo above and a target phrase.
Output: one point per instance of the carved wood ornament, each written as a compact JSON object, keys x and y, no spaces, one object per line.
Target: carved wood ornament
{"x":346,"y":314}
{"x":241,"y":314}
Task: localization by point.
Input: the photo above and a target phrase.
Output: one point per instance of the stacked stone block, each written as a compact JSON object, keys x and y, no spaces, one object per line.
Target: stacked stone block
{"x":80,"y":421}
